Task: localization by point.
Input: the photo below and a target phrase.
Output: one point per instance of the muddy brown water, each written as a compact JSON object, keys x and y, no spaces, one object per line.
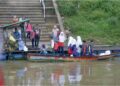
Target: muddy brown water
{"x":84,"y":73}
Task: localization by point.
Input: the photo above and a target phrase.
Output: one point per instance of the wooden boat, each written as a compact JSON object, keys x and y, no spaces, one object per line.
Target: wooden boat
{"x":38,"y":57}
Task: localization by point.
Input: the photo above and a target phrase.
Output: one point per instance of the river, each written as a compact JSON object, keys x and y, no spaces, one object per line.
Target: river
{"x":84,"y":73}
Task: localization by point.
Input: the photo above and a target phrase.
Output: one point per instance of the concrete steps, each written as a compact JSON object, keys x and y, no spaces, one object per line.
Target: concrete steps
{"x":31,"y":9}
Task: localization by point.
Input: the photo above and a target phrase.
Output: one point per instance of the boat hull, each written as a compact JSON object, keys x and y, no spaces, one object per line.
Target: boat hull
{"x":34,"y":57}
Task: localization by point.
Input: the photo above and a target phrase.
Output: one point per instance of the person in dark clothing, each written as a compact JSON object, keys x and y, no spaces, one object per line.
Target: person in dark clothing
{"x":37,"y":38}
{"x":43,"y":50}
{"x":90,"y":47}
{"x":32,"y":37}
{"x":16,"y":34}
{"x":84,"y":48}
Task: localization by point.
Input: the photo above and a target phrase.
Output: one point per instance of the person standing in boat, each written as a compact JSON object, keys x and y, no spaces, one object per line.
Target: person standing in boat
{"x":90,"y":47}
{"x":55,"y":33}
{"x":61,"y":43}
{"x":28,"y":29}
{"x":32,"y":37}
{"x":74,"y":48}
{"x":16,"y":34}
{"x":70,"y":45}
{"x":37,"y":37}
{"x":84,"y":48}
{"x":79,"y":46}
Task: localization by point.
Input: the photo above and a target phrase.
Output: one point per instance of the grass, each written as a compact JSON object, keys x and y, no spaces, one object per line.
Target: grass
{"x":93,"y":19}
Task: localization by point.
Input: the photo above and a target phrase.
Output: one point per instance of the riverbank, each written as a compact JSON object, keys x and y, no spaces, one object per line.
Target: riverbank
{"x":92,"y":19}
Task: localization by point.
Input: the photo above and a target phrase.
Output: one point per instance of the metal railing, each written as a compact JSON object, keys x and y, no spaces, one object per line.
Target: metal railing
{"x":58,"y":15}
{"x":43,"y":5}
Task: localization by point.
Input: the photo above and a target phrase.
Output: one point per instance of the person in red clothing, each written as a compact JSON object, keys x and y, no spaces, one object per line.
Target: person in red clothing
{"x":29,"y":29}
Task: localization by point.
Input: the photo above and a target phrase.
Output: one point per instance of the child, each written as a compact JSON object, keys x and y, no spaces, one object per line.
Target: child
{"x":43,"y":50}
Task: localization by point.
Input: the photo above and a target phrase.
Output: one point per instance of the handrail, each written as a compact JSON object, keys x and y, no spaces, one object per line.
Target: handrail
{"x":58,"y":15}
{"x":43,"y":4}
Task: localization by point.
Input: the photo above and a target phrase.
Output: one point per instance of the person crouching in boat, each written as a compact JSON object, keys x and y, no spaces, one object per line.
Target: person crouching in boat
{"x":61,"y":43}
{"x":70,"y":46}
{"x":21,"y":45}
{"x":43,"y":50}
{"x":84,"y":48}
{"x":79,"y":46}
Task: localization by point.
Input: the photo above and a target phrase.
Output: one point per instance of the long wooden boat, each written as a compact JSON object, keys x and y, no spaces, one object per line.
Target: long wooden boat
{"x":38,"y":57}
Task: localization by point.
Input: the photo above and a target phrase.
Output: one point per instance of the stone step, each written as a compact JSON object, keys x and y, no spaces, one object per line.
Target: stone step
{"x":20,"y":4}
{"x":20,"y":10}
{"x":41,"y":39}
{"x":19,"y":1}
{"x":48,"y":3}
{"x":14,"y":7}
{"x":40,"y":18}
{"x":21,"y":13}
{"x":46,"y":33}
{"x":32,"y":22}
{"x":28,"y":16}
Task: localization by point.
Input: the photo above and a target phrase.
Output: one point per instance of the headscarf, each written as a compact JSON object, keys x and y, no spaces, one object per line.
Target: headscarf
{"x":73,"y":42}
{"x":70,"y":41}
{"x":62,"y":37}
{"x":79,"y":41}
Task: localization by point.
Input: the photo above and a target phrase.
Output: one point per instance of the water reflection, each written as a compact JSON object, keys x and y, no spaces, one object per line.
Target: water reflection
{"x":58,"y":77}
{"x":74,"y":74}
{"x":59,"y":74}
{"x":1,"y":77}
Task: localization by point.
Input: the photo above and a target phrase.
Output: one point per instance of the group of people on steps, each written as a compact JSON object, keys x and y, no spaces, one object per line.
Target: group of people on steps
{"x":28,"y":31}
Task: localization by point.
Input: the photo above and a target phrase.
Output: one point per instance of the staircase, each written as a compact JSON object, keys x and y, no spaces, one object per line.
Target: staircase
{"x":33,"y":10}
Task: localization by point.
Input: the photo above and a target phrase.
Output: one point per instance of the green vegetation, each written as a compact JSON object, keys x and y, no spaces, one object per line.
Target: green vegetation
{"x":93,"y":19}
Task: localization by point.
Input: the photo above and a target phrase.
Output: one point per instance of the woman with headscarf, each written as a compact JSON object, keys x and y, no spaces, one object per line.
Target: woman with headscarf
{"x":61,"y":43}
{"x":79,"y":45}
{"x":70,"y":45}
{"x":74,"y":48}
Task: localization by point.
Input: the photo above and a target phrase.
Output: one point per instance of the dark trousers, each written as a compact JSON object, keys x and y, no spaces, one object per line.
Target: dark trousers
{"x":61,"y":50}
{"x":28,"y":34}
{"x":33,"y":42}
{"x":36,"y":42}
